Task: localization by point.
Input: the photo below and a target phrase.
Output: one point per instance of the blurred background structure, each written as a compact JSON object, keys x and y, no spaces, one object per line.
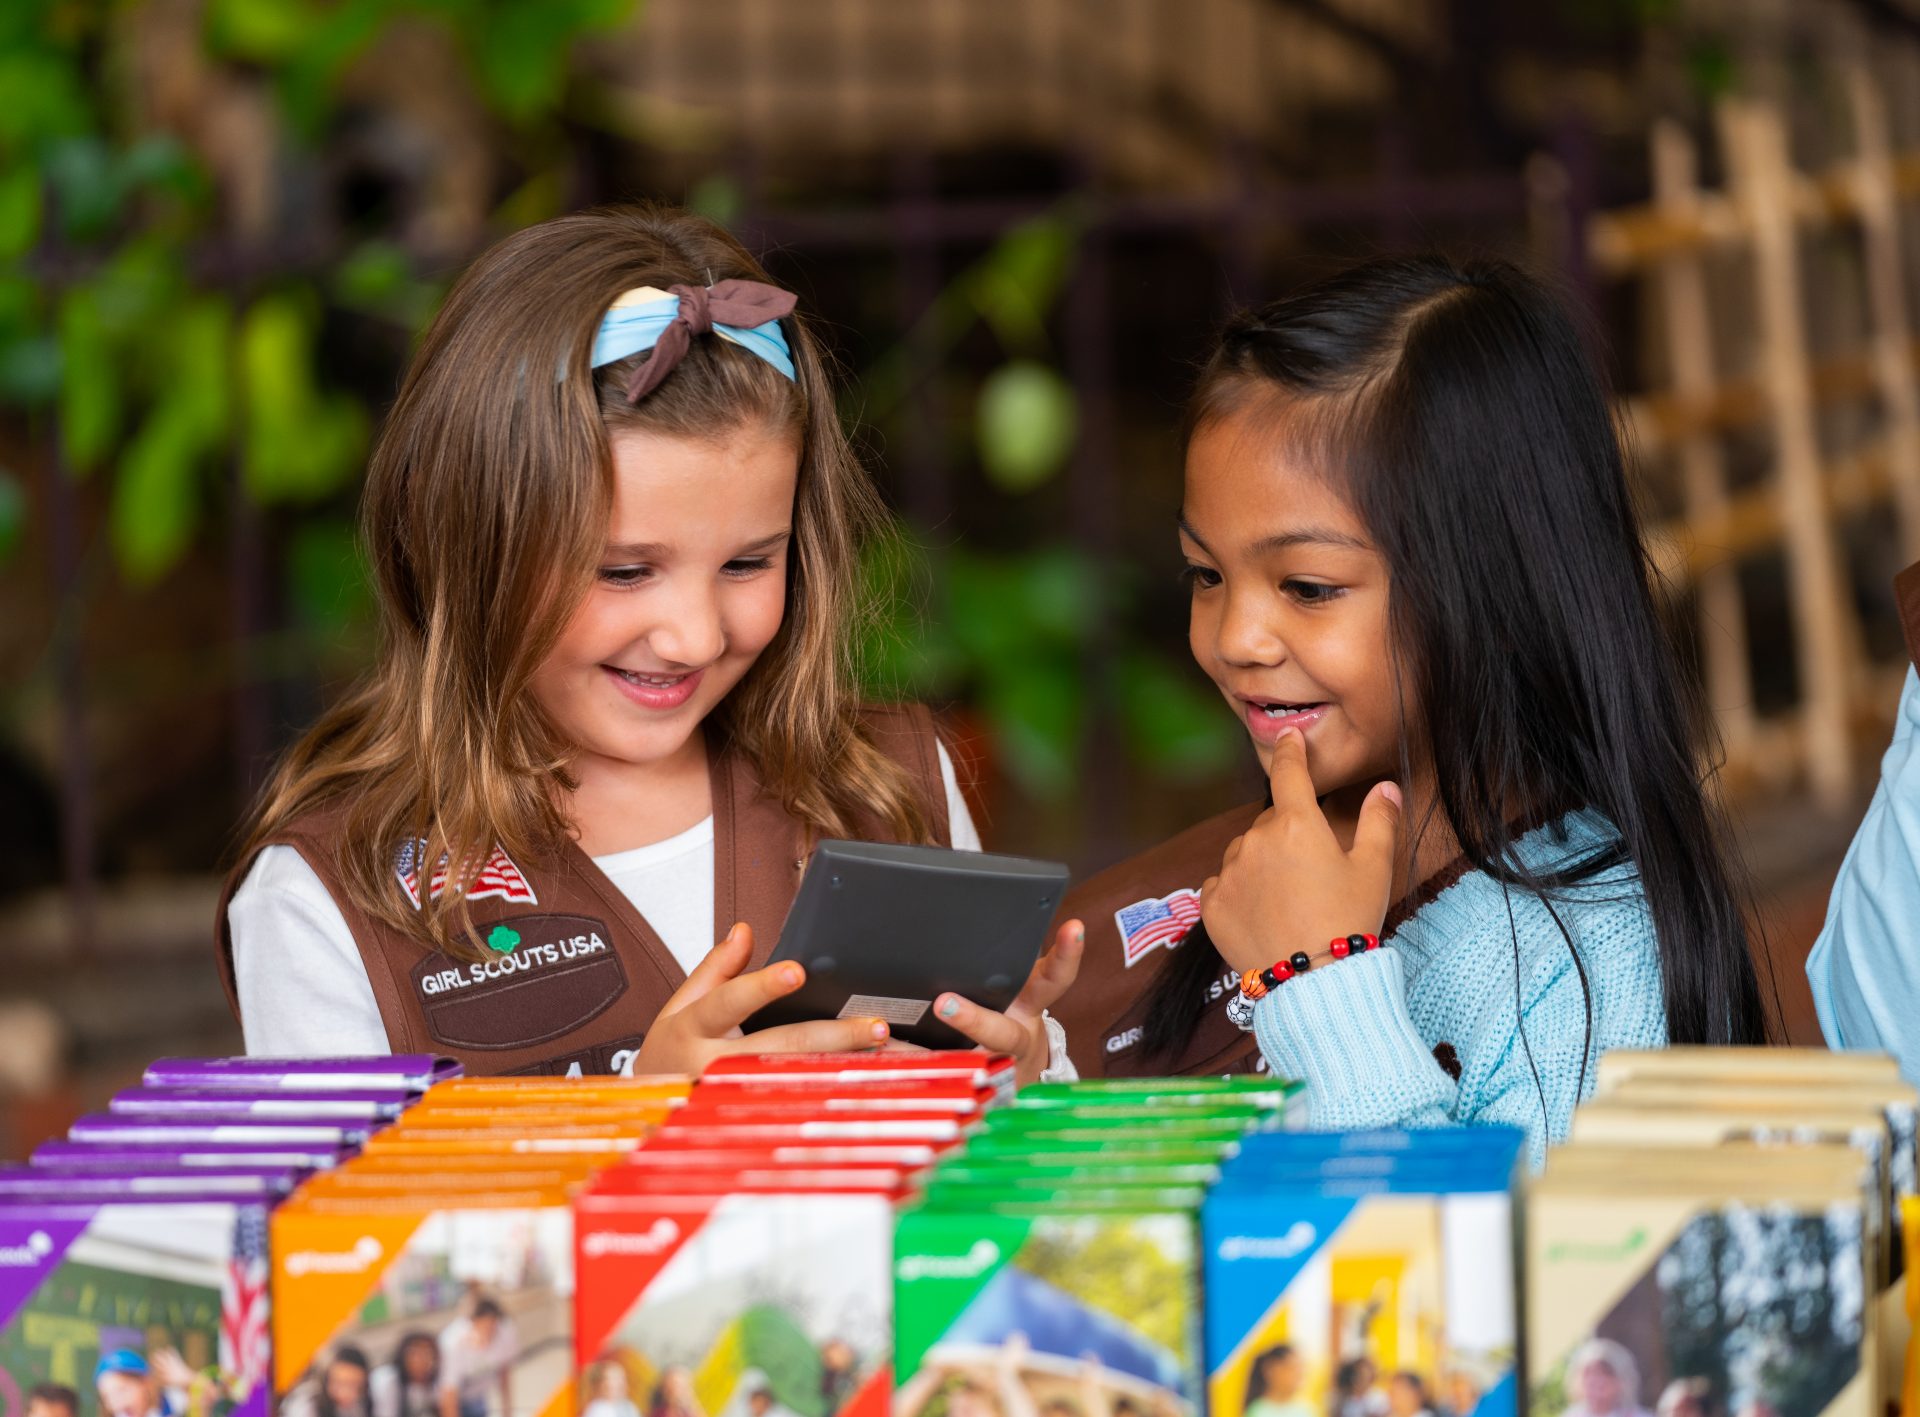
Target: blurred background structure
{"x":222,"y":222}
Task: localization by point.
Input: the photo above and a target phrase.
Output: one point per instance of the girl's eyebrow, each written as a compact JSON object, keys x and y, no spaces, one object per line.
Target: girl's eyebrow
{"x":658,"y":551}
{"x":1281,"y":541}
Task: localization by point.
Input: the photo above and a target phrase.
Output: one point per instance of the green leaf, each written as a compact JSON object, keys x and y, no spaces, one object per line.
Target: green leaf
{"x":156,"y":495}
{"x":987,"y":609}
{"x":46,"y":98}
{"x":521,"y":48}
{"x":139,"y":287}
{"x":19,"y":305}
{"x":1036,"y":710}
{"x":1175,"y":725}
{"x":90,"y":396}
{"x":162,"y":164}
{"x":372,"y":274}
{"x":13,"y":514}
{"x":298,"y":445}
{"x":903,"y":650}
{"x":263,"y":31}
{"x":716,"y":197}
{"x":20,"y":209}
{"x":340,"y":33}
{"x":156,"y":501}
{"x":1005,"y":608}
{"x":1062,"y":591}
{"x":1016,"y":283}
{"x":1712,"y":67}
{"x":200,"y":369}
{"x":30,"y":370}
{"x":1025,"y":423}
{"x":540,"y":198}
{"x":377,"y":278}
{"x":328,"y":581}
{"x":87,"y":186}
{"x":520,"y":56}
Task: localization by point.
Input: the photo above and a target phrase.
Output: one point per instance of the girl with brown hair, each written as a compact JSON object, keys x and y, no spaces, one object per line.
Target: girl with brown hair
{"x":615,"y":528}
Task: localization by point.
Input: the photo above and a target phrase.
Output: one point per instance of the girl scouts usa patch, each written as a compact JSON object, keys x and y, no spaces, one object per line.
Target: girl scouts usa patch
{"x":1146,"y":925}
{"x":499,"y":879}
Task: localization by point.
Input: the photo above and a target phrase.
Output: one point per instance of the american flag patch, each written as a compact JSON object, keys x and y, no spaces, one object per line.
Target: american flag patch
{"x":499,"y":879}
{"x":1146,"y":925}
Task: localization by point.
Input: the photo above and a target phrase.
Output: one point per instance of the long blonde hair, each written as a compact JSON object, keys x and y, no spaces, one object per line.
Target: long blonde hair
{"x":484,"y":517}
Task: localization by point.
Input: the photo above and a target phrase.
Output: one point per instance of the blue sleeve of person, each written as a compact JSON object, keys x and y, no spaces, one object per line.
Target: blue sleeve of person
{"x":1865,"y":967}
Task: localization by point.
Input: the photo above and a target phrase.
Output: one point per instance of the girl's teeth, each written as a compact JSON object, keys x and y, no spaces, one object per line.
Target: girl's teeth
{"x":651,"y":681}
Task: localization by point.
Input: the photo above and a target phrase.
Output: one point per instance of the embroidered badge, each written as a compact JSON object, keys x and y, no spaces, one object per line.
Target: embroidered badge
{"x":1146,"y":925}
{"x":499,"y":879}
{"x":540,"y":978}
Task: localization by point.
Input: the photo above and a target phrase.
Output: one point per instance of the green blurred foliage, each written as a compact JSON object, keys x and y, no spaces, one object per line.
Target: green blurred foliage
{"x":1012,"y":634}
{"x":160,"y":375}
{"x":169,"y":374}
{"x":13,"y":512}
{"x":1025,"y":424}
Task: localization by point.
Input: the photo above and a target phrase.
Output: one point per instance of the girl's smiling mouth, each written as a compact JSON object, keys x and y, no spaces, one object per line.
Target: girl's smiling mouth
{"x":655,"y":691}
{"x":1266,"y":719}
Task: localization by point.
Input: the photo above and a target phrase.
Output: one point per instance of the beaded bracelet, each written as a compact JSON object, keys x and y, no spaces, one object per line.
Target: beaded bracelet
{"x":1255,"y":984}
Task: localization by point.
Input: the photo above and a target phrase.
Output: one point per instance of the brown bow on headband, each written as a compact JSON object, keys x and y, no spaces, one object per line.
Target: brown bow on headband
{"x":744,"y":303}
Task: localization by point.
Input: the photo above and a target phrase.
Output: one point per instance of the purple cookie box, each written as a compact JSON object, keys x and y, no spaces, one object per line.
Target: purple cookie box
{"x":116,"y":1156}
{"x":38,"y":1236}
{"x":415,"y":1071}
{"x":364,"y":1105}
{"x":241,"y":1183}
{"x":17,"y":1212}
{"x":111,"y":1127}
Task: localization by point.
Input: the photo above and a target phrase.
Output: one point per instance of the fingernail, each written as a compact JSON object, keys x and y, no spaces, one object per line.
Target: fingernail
{"x":1391,"y":791}
{"x":791,"y":976}
{"x":1080,"y":934}
{"x":949,"y":1007}
{"x":1289,"y":732}
{"x":879,"y":1030}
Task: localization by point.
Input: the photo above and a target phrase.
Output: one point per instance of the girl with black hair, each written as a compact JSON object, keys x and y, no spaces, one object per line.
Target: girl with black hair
{"x":1418,"y":580}
{"x":409,"y":1386}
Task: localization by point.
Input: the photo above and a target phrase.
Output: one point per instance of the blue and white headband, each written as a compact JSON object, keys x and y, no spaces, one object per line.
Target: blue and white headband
{"x":743,"y":312}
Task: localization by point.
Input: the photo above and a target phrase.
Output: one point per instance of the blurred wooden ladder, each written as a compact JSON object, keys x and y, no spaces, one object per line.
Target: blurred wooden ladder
{"x":1796,"y":508}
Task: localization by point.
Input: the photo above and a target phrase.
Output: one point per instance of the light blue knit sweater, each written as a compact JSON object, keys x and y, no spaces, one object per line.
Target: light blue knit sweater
{"x":1361,"y":1033}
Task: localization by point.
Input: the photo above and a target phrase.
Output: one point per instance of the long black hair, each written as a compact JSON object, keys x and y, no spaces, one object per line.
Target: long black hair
{"x":1458,"y":407}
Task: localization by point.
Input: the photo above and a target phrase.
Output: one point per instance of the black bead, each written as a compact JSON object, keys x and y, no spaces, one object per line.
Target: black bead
{"x":1301,"y":964}
{"x":1357,"y":943}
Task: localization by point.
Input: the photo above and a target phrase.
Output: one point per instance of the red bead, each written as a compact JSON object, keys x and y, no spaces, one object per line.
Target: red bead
{"x":1373,"y":942}
{"x":1283,"y":971}
{"x":1340,"y":949}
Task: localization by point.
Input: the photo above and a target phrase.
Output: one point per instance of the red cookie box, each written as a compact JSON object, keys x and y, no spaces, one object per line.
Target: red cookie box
{"x":785,"y":1274}
{"x":990,"y":1070}
{"x":910,"y":1156}
{"x":771,"y":1125}
{"x":956,"y":1094}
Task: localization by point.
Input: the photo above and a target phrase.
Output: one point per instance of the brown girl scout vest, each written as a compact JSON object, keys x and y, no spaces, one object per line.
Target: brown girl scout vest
{"x":575,"y":975}
{"x":1906,"y":599}
{"x":1136,"y":915}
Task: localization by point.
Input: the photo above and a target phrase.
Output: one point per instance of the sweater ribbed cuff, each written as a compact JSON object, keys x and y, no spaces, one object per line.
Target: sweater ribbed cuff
{"x":1343,"y":1030}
